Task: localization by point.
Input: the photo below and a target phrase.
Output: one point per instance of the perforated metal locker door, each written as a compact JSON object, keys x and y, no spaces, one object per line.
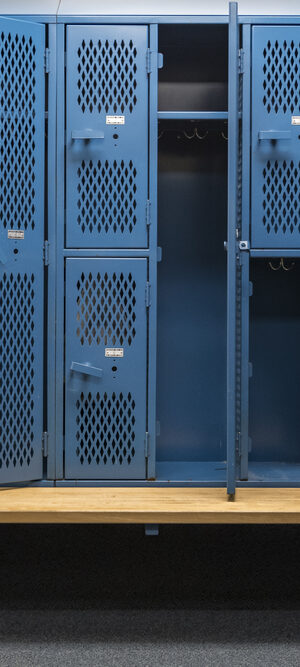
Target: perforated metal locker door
{"x":22,"y":118}
{"x":107,"y":136}
{"x":275,"y":217}
{"x":106,"y":345}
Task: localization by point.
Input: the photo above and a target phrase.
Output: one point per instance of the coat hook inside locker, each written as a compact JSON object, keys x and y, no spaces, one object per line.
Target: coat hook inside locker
{"x":282,"y":265}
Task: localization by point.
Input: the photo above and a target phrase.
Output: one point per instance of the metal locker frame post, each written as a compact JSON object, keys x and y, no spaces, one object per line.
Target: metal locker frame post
{"x":246,"y":286}
{"x":51,"y":236}
{"x":153,"y":255}
{"x":232,"y":242}
{"x":60,"y":147}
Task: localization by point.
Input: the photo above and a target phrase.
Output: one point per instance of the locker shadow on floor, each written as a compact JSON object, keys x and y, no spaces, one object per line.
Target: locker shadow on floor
{"x":118,"y":567}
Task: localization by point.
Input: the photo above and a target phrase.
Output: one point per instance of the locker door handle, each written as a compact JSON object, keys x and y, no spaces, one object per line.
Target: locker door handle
{"x":274,"y":135}
{"x":87,"y":134}
{"x":86,"y":369}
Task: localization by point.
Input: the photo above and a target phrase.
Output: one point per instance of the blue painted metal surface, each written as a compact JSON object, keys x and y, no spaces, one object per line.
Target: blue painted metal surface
{"x":192,"y":284}
{"x":107,"y":136}
{"x":51,"y":269}
{"x":106,"y":352}
{"x":22,"y":107}
{"x":233,"y":150}
{"x":246,"y":286}
{"x":275,"y":140}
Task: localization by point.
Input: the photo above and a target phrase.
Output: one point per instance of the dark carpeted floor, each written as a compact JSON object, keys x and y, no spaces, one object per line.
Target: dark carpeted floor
{"x":108,"y":595}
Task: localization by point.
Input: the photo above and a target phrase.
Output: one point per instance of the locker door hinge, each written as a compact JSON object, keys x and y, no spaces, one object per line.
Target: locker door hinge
{"x":148,"y":213}
{"x":46,"y":253}
{"x":239,"y":443}
{"x":153,"y":59}
{"x":241,"y":61}
{"x":147,"y":295}
{"x":47,"y":60}
{"x":147,"y":439}
{"x":45,"y":443}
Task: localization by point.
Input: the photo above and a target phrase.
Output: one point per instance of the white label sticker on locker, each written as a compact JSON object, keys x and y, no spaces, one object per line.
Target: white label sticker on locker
{"x":295,"y":120}
{"x":115,"y":120}
{"x":114,"y":352}
{"x":15,"y":234}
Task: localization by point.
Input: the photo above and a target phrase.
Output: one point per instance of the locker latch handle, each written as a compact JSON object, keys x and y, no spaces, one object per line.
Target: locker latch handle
{"x":86,"y":369}
{"x":87,"y":134}
{"x":274,"y":135}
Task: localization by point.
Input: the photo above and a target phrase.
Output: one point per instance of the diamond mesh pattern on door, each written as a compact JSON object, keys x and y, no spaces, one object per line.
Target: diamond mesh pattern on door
{"x":107,"y":76}
{"x":107,"y":196}
{"x":17,"y":173}
{"x":17,"y":69}
{"x":281,"y":69}
{"x":17,"y":372}
{"x":17,"y":130}
{"x":106,"y":308}
{"x":281,"y":197}
{"x":105,"y":428}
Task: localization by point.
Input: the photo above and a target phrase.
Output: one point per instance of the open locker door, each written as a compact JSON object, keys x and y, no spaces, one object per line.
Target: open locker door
{"x":22,"y":137}
{"x":233,"y":269}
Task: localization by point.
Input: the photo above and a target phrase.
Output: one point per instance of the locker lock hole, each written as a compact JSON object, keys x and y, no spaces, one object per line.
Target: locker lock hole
{"x":114,"y":369}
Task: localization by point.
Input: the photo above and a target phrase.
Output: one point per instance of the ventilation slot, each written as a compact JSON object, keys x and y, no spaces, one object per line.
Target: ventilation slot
{"x":107,"y":196}
{"x":106,"y":309}
{"x":281,"y":80}
{"x":281,"y":200}
{"x":17,"y":132}
{"x":17,"y":300}
{"x":17,"y":69}
{"x":17,"y":177}
{"x":107,"y":76}
{"x":105,"y":429}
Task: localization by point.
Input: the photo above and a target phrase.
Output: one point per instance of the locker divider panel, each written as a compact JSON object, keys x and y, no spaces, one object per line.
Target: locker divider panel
{"x":106,"y":136}
{"x":106,"y":368}
{"x":22,"y":112}
{"x":275,"y":202}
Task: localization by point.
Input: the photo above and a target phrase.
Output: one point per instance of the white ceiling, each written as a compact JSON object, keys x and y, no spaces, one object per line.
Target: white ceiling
{"x":148,"y":7}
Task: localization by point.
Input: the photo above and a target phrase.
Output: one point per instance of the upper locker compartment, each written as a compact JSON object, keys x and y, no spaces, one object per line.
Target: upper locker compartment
{"x":107,"y":137}
{"x":275,"y":217}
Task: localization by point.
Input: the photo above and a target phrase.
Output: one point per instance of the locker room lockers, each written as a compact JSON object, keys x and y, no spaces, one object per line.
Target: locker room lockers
{"x":149,"y":250}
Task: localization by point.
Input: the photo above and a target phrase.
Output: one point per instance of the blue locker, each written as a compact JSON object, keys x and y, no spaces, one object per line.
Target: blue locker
{"x":275,"y":219}
{"x":106,"y":353}
{"x":138,"y":362}
{"x":107,"y":137}
{"x":22,"y":169}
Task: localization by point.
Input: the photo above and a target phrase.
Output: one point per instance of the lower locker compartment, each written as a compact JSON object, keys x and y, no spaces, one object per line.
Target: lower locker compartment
{"x":274,"y":415}
{"x":191,"y":340}
{"x":106,"y":368}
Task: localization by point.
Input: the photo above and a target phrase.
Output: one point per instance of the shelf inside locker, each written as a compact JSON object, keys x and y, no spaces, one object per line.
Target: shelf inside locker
{"x":194,"y":76}
{"x":192,"y":115}
{"x":272,"y":471}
